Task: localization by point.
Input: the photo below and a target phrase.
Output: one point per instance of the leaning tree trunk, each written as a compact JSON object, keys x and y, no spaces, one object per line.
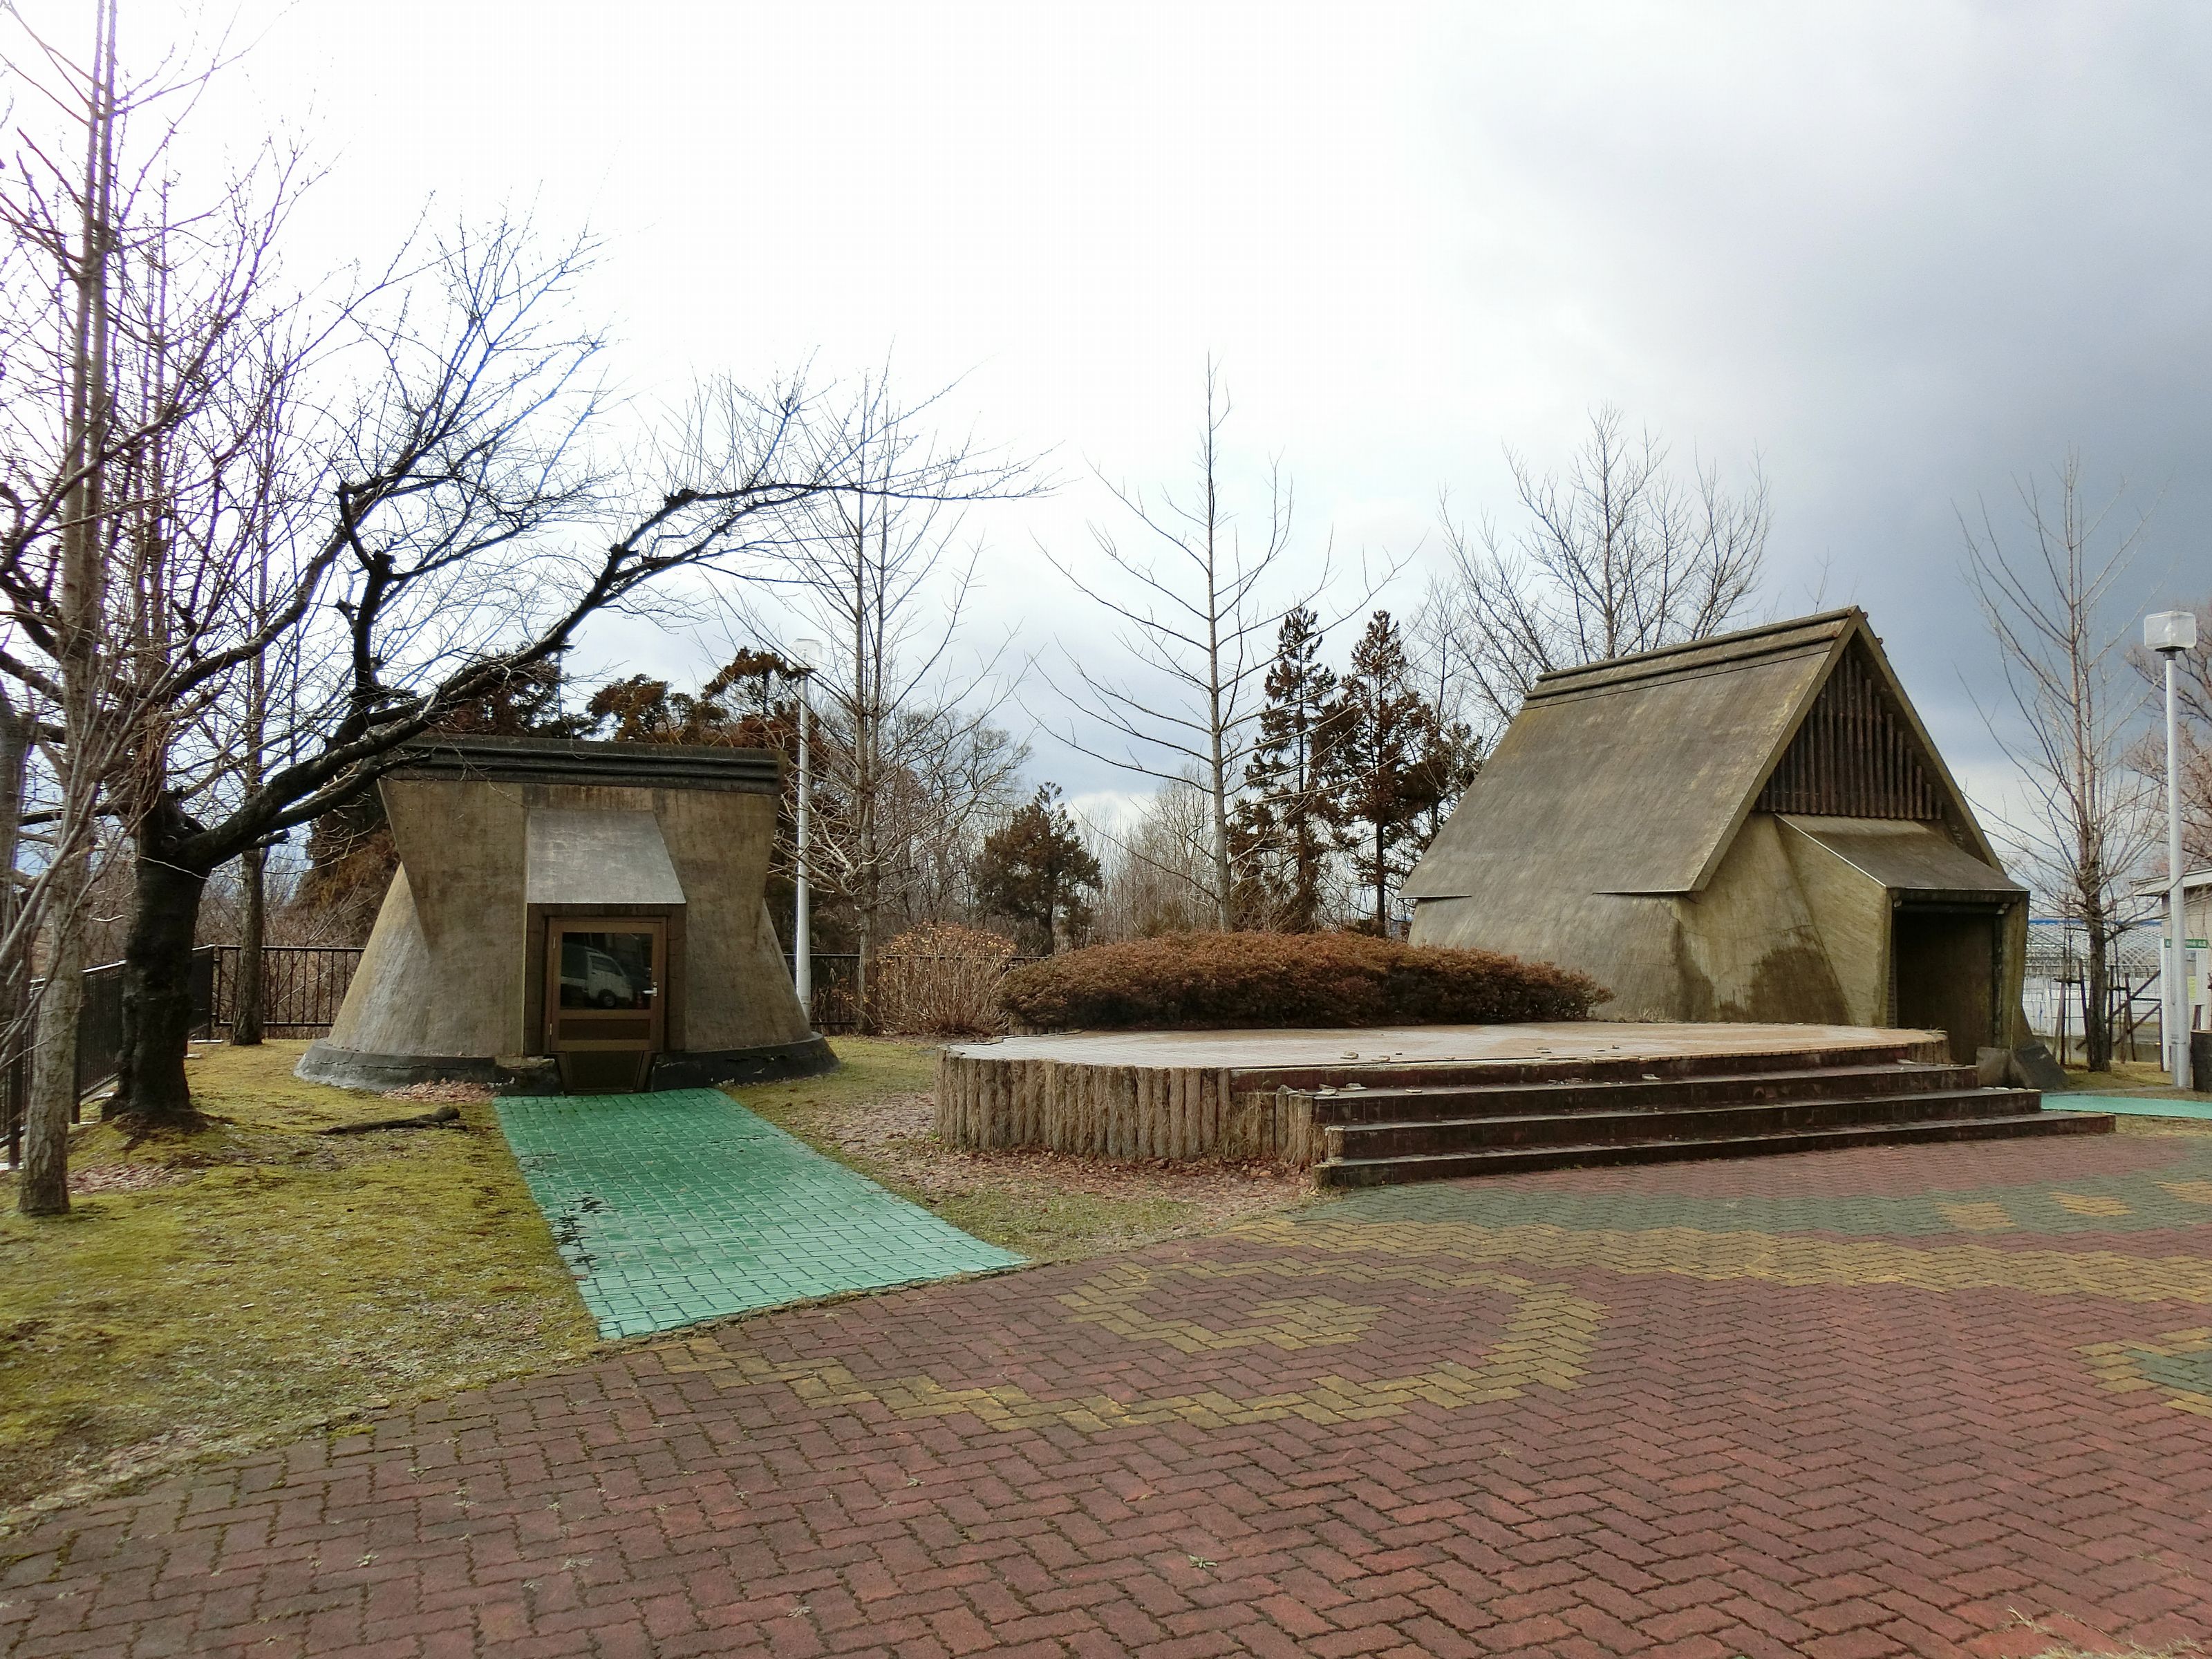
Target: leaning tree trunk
{"x":151,"y":1092}
{"x":247,"y":992}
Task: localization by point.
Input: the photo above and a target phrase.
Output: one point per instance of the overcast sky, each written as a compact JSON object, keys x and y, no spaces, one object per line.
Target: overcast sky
{"x":1905,"y":253}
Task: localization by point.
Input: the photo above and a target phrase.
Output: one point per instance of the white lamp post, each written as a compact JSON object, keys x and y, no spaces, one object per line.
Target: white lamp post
{"x":2170,"y":633}
{"x":802,"y":919}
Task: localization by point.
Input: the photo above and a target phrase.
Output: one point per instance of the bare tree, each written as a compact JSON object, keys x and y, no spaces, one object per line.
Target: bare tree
{"x":108,"y":362}
{"x":910,"y":761}
{"x":2046,"y":597}
{"x":441,"y":522}
{"x":1198,"y":628}
{"x":1158,"y":867}
{"x":1619,"y":555}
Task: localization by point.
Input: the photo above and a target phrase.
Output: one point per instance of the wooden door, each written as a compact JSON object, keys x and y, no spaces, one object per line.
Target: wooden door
{"x":605,"y":1008}
{"x":1946,"y":972}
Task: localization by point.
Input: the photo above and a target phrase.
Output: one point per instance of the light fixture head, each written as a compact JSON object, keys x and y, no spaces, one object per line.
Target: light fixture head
{"x":2171,"y":630}
{"x":809,"y":654}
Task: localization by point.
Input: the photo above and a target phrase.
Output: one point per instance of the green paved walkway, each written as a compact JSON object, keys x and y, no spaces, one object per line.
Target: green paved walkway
{"x":2135,"y":1105}
{"x":672,"y":1208}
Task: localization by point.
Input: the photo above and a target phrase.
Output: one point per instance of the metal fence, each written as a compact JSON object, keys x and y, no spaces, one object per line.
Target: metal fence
{"x":303,"y":986}
{"x":99,"y":1042}
{"x":2056,"y":994}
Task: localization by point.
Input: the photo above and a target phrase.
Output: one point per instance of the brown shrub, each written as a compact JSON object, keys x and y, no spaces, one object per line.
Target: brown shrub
{"x":1208,"y":980}
{"x":940,"y":982}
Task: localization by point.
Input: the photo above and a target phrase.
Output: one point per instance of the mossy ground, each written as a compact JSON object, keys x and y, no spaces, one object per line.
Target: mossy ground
{"x":270,"y":1279}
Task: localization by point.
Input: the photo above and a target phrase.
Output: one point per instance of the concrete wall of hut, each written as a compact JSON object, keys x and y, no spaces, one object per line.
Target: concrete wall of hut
{"x":1751,"y":949}
{"x":448,"y":971}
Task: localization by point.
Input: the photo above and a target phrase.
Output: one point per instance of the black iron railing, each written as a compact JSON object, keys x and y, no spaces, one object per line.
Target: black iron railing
{"x":302,"y":988}
{"x":99,"y":1042}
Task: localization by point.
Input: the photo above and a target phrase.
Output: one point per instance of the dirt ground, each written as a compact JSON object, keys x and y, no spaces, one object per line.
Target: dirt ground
{"x":1057,"y":1206}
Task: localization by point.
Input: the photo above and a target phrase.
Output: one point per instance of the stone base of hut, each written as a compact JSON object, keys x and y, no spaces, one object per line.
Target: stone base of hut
{"x":351,"y":1068}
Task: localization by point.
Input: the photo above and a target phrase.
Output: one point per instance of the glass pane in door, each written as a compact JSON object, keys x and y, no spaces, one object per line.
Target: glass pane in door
{"x":607,"y":970}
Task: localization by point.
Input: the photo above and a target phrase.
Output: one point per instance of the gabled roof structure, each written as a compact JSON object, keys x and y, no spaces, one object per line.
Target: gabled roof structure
{"x":1645,"y":817}
{"x":1634,"y":775}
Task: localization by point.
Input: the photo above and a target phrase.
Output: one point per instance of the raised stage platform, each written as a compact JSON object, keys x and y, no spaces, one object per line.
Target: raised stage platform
{"x":1409,"y":1103}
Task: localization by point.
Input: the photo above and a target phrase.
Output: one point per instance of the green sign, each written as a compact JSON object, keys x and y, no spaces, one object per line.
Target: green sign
{"x":2197,"y":944}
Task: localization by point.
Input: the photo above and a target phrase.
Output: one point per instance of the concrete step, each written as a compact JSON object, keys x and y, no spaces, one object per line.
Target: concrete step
{"x":1503,"y":1160}
{"x":1666,"y":1120}
{"x":1459,"y":1101}
{"x":1384,"y":1073}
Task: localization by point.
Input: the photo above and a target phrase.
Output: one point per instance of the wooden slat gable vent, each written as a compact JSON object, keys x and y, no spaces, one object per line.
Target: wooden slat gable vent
{"x":1853,"y":757}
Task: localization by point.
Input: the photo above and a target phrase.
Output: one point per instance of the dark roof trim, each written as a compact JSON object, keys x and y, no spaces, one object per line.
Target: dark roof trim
{"x":1831,"y":621}
{"x":626,"y":765}
{"x":1721,"y":652}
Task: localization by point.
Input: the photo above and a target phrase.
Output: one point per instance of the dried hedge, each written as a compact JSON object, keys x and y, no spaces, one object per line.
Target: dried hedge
{"x":940,"y":982}
{"x":1201,"y":982}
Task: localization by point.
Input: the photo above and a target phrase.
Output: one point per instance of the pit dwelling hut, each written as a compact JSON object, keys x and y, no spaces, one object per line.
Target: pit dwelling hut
{"x":1754,"y":827}
{"x":585,"y":916}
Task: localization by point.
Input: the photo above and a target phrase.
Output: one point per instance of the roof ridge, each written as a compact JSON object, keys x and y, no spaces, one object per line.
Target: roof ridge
{"x":1708,"y":642}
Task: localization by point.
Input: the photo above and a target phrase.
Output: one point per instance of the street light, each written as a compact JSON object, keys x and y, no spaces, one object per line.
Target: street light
{"x":802,"y":921}
{"x":2170,"y":633}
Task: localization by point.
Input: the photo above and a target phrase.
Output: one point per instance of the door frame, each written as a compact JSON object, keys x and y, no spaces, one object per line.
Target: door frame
{"x":543,"y":998}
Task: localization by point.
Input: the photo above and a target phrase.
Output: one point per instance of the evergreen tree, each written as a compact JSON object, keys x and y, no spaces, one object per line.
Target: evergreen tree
{"x":1389,"y":762}
{"x":1034,"y":869}
{"x":1289,"y":818}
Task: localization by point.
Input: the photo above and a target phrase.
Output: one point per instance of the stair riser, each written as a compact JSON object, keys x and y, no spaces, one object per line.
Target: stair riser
{"x":1477,"y":1163}
{"x":1377,"y":1074}
{"x":1413,"y":1140}
{"x":1386,"y":1106}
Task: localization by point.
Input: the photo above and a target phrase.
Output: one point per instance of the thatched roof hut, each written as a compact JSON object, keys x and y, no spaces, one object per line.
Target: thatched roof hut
{"x":1751,"y":827}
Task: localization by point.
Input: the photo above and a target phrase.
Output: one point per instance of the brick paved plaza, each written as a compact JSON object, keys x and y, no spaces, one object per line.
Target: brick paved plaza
{"x":1925,"y":1400}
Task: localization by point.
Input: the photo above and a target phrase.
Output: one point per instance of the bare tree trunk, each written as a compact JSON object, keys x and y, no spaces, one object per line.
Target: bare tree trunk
{"x":2097,"y":1036}
{"x":150,"y":1090}
{"x":248,"y":990}
{"x":15,"y":730}
{"x":44,"y":1187}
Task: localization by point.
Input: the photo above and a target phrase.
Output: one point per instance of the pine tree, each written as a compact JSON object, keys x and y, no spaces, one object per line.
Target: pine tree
{"x":1034,"y":870}
{"x":1288,"y":819}
{"x":1389,"y":762}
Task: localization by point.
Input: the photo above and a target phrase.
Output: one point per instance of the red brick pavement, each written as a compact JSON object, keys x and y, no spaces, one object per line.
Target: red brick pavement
{"x":1433,"y":1423}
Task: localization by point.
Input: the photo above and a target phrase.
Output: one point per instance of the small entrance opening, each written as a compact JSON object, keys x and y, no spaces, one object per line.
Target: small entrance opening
{"x":604,"y":1007}
{"x":1944,"y":964}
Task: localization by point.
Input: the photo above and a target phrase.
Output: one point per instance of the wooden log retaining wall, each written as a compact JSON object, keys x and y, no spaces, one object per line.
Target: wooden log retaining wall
{"x":1130,"y":1112}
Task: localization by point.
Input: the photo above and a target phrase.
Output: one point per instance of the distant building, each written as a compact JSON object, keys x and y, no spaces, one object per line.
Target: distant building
{"x":600,"y":905}
{"x":1755,"y":827}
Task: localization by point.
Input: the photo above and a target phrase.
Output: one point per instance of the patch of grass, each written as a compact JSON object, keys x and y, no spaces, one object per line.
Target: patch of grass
{"x":1056,"y":1226}
{"x":872,"y":1115}
{"x":274,"y":1280}
{"x":2130,"y":1077}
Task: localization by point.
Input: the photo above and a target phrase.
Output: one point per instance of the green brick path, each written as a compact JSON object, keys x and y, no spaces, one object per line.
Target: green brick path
{"x":674,"y":1208}
{"x":2135,"y":1105}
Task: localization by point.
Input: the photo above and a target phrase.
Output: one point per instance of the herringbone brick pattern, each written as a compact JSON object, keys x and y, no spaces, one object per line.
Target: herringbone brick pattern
{"x":1889,"y":1402}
